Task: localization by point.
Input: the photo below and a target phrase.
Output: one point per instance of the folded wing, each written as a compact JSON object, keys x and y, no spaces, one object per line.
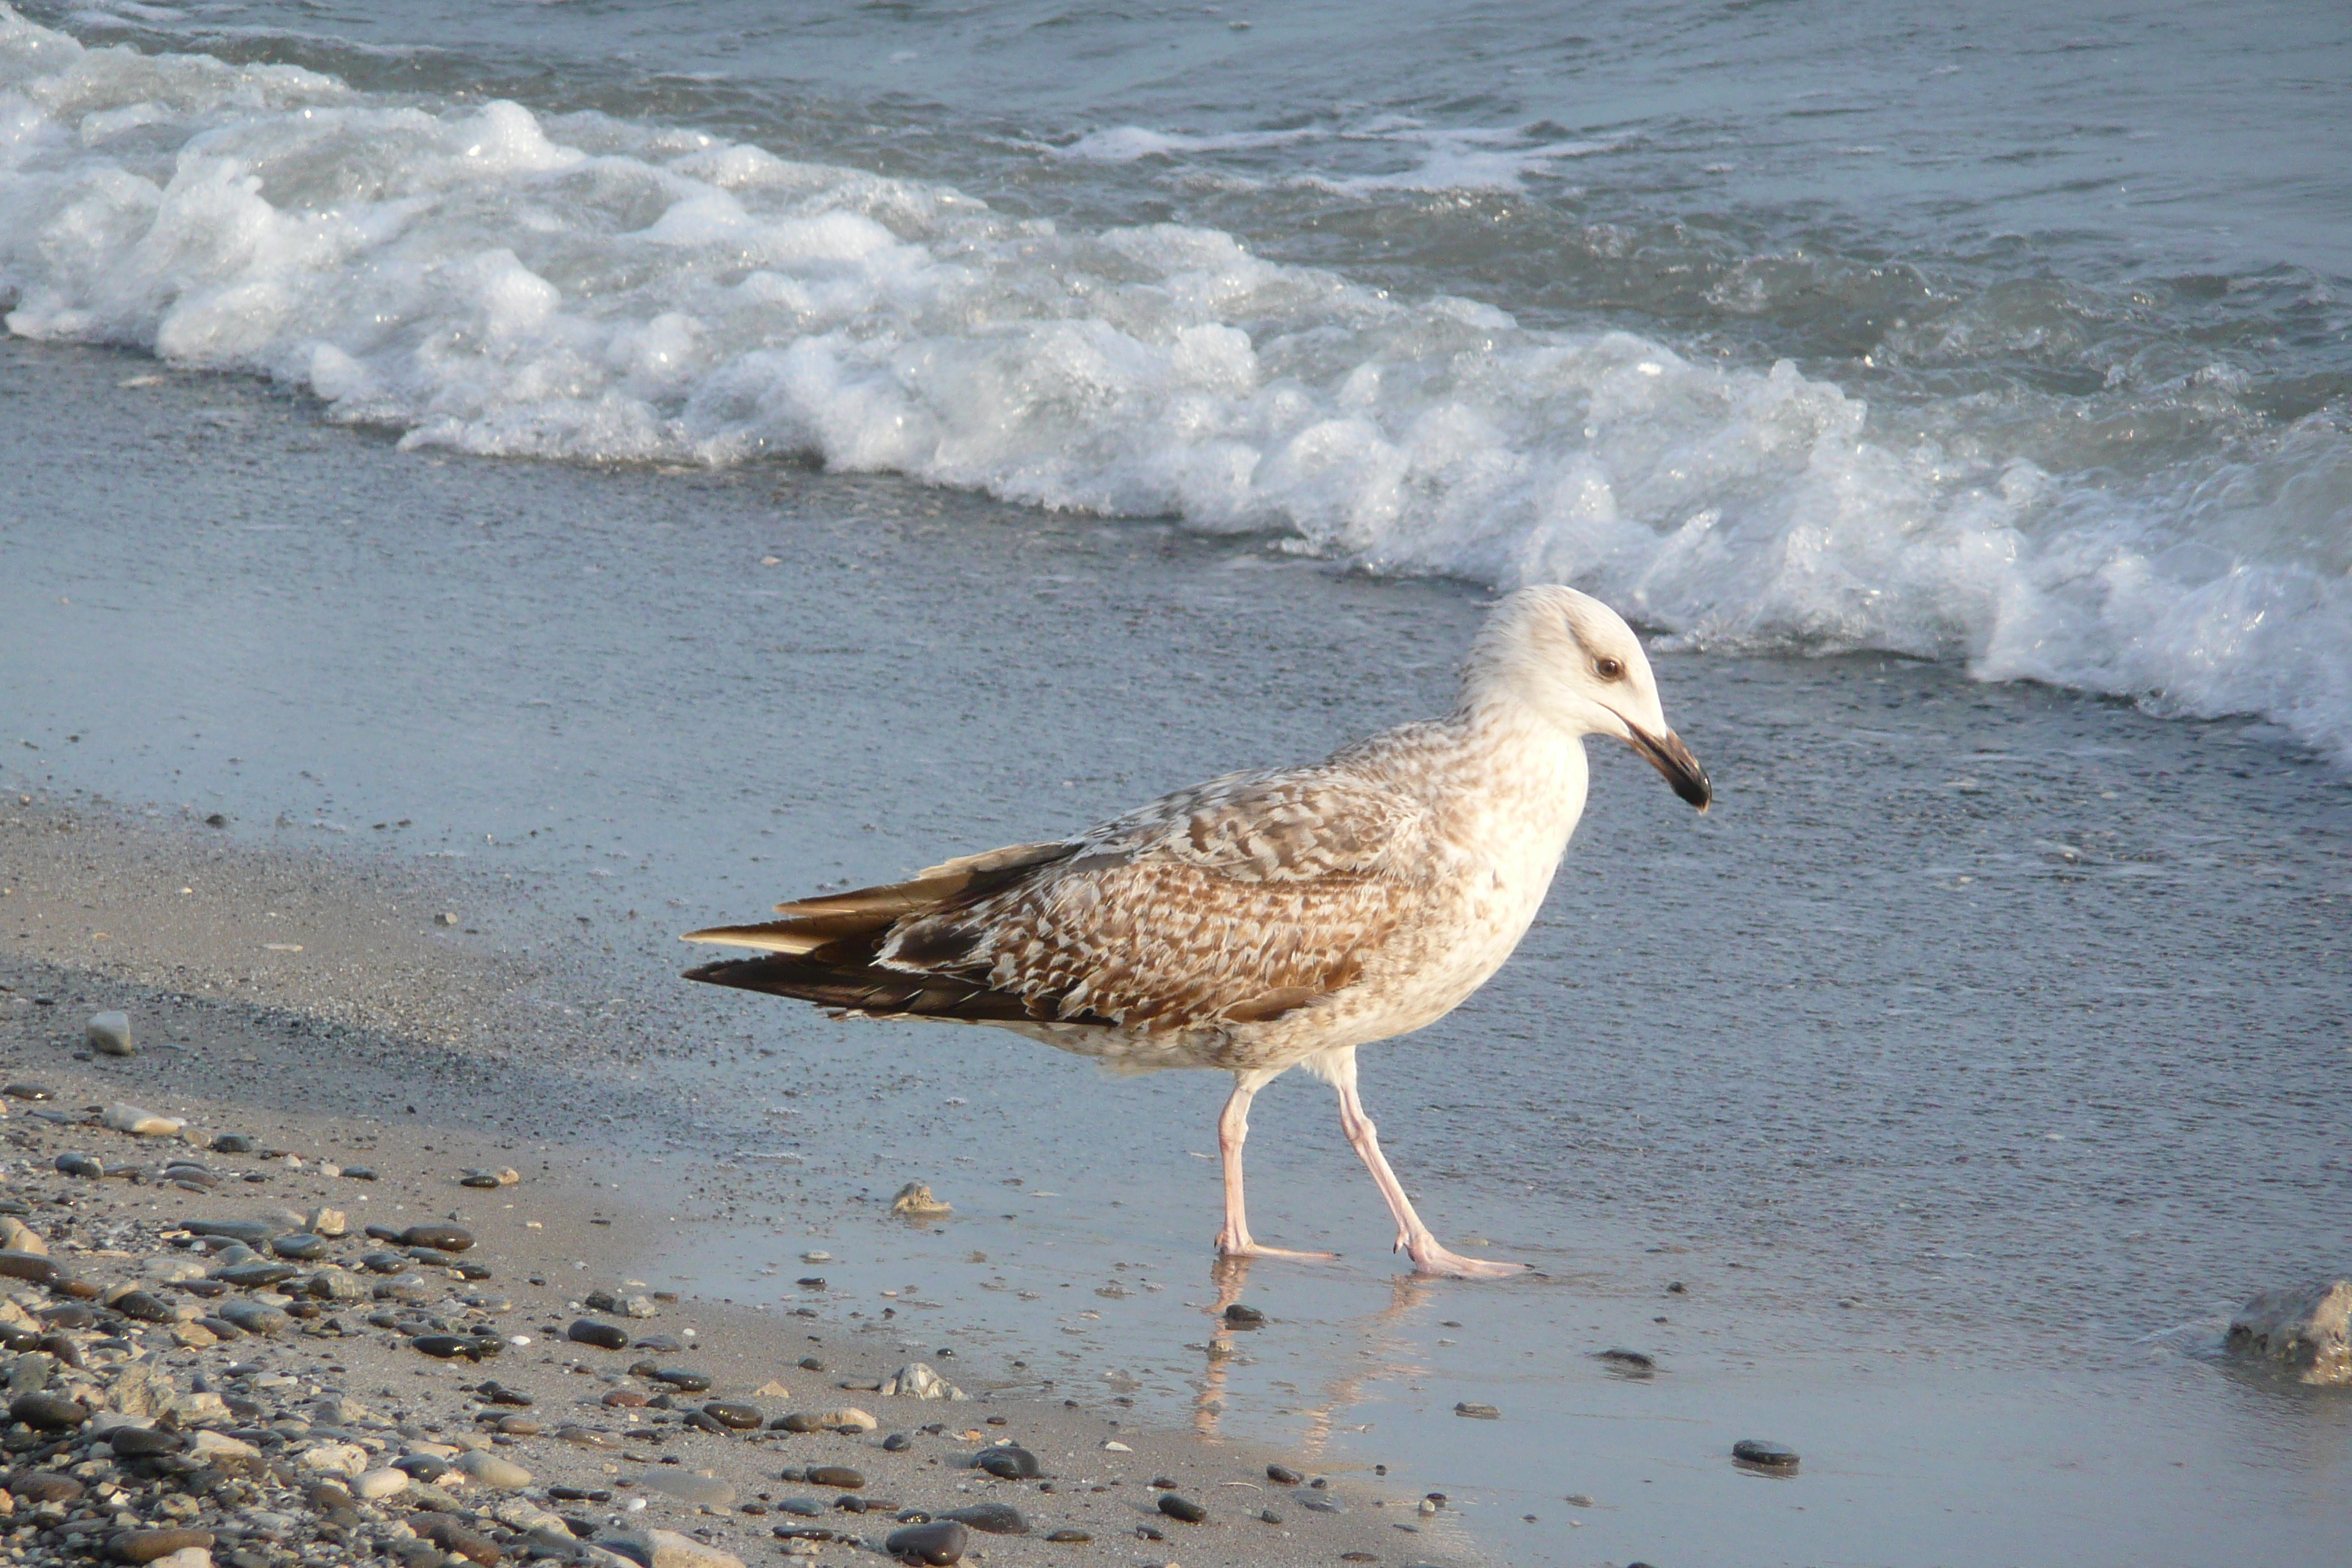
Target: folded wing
{"x":1236,"y":903}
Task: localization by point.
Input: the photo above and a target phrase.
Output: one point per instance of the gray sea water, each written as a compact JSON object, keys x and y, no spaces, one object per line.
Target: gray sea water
{"x":2011,"y":336}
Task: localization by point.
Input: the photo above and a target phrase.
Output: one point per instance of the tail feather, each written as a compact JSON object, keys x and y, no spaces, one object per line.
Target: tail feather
{"x":809,"y":924}
{"x":854,"y":987}
{"x":823,"y":949}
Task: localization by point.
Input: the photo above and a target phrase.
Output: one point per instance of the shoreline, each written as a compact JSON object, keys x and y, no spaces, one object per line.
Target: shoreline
{"x":208,"y":1060}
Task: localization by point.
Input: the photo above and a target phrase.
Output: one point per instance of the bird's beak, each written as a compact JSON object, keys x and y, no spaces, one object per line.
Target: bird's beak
{"x":1667,"y":754}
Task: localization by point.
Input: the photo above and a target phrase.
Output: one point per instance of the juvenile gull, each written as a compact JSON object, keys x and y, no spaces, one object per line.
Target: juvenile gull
{"x":1265,"y":920}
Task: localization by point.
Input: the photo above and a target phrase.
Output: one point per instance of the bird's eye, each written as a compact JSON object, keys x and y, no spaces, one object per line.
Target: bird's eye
{"x":1610,"y":669}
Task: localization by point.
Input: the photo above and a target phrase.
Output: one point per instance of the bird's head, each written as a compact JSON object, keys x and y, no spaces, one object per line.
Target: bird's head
{"x":1575,"y":662}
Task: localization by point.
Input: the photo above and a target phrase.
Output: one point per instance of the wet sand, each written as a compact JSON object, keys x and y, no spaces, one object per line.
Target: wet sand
{"x":1978,"y":1052}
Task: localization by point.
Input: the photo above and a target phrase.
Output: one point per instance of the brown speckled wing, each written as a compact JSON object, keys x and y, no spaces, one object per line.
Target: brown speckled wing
{"x":1236,"y":903}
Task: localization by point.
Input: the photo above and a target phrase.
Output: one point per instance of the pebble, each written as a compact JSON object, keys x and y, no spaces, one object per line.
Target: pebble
{"x":604,"y":1336}
{"x":253,"y":1317}
{"x":940,"y":1542}
{"x":141,"y":1442}
{"x":1238,"y":1316}
{"x":73,"y":1164}
{"x":232,"y":1143}
{"x":124,"y":1117}
{"x":506,"y":1177}
{"x":1284,"y":1474}
{"x":376,"y":1485}
{"x":1475,"y":1411}
{"x":500,"y":1475}
{"x":153,"y":1545}
{"x":1011,"y":1463}
{"x":917,"y":1380}
{"x":29,"y":1091}
{"x":667,"y":1549}
{"x":1764,"y":1453}
{"x":840,"y":1477}
{"x":1070,"y":1537}
{"x":38,"y":1267}
{"x":108,"y":1034}
{"x":734,"y":1413}
{"x":685,"y":1380}
{"x":628,"y":1306}
{"x":995,"y":1518}
{"x":439,"y":1236}
{"x":50,"y":1412}
{"x":300,"y":1244}
{"x":704,"y":1491}
{"x":1181,"y":1508}
{"x":444,"y":1346}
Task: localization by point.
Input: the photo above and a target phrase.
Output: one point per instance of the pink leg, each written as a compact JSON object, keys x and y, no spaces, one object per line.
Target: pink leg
{"x":1414,"y":1238}
{"x":1233,"y":1132}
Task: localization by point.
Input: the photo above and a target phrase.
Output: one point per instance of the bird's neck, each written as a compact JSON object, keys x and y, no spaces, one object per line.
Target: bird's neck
{"x":1513,"y":783}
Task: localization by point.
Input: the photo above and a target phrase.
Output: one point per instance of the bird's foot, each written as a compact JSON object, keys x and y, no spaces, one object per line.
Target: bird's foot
{"x":1232,"y":1246}
{"x":1429,"y":1258}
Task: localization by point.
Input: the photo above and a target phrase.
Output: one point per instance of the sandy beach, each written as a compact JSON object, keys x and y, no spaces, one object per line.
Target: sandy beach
{"x":1926,"y":1108}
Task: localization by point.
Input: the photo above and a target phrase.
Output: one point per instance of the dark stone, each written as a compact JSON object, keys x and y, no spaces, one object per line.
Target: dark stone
{"x":232,"y":1143}
{"x":500,"y":1393}
{"x":50,"y":1412}
{"x":838,"y":1475}
{"x":146,"y":1545}
{"x":252,"y":1231}
{"x":300,"y":1244}
{"x":385,"y":1262}
{"x":445,"y":1346}
{"x":70,"y":1315}
{"x":1070,"y":1537}
{"x":733,"y":1413}
{"x":995,"y":1518}
{"x":938,"y":1543}
{"x":1284,"y":1474}
{"x":581,"y":1494}
{"x":450,"y":1536}
{"x":421,"y":1467}
{"x":1010,"y":1463}
{"x":88,"y":1165}
{"x":46,"y":1485}
{"x":1240,"y":1317}
{"x":1181,"y":1508}
{"x":254,"y":1276}
{"x":29,"y":1091}
{"x":660,"y":1345}
{"x":702,"y":1421}
{"x":137,"y":1442}
{"x":1627,"y":1360}
{"x":433,"y":1258}
{"x":255,"y":1318}
{"x":1764,"y":1455}
{"x":351,"y":1172}
{"x":30,"y":1266}
{"x":684,"y":1379}
{"x":381,"y":1233}
{"x":797,"y":1421}
{"x":143,"y":1307}
{"x":441,"y":1237}
{"x":604,"y":1336}
{"x":896,"y":1443}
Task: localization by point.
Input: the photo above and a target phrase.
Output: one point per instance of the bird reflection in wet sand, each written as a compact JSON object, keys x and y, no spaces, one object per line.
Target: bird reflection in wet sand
{"x":1265,"y":920}
{"x":1383,"y":1354}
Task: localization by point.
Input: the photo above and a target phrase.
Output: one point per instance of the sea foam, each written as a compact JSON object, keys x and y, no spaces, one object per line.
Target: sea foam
{"x":485,"y":279}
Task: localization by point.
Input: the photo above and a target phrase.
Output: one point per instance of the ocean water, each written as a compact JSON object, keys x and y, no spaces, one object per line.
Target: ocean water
{"x":2004,"y":334}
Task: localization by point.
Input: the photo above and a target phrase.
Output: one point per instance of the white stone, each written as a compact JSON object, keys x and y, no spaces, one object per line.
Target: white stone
{"x":185,"y":1557}
{"x":502,"y":1475}
{"x":108,"y":1034}
{"x":328,"y":1222}
{"x":335,"y":1458}
{"x":521,"y":1513}
{"x":917,"y":1380}
{"x":173,"y":1268}
{"x":18,"y":1237}
{"x":127,"y":1118}
{"x":374,"y":1486}
{"x":667,"y":1549}
{"x":2306,"y":1332}
{"x":215,"y":1448}
{"x":848,"y":1418}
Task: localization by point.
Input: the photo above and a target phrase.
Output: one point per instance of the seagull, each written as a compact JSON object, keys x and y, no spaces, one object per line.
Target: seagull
{"x":1270,"y":919}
